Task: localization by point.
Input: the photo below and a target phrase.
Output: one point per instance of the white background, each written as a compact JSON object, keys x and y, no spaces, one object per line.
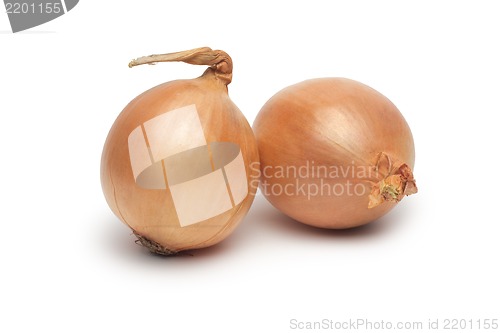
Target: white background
{"x":69,"y":265}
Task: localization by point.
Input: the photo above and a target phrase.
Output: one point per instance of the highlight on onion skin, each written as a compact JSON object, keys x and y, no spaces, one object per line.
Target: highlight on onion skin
{"x":175,"y":167}
{"x":334,"y":153}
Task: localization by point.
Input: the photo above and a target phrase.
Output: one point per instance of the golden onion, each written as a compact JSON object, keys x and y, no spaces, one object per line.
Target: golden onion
{"x":175,"y":167}
{"x":334,"y":153}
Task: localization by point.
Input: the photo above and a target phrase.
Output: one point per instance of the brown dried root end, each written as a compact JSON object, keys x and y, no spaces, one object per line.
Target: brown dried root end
{"x":153,"y":247}
{"x":394,"y":187}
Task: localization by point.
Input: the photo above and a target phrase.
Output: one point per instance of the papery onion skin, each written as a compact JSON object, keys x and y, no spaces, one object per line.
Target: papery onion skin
{"x":151,"y":214}
{"x":342,"y":125}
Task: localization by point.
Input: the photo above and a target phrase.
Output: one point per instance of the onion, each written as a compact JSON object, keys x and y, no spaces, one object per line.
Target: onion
{"x":334,"y":153}
{"x":175,"y":167}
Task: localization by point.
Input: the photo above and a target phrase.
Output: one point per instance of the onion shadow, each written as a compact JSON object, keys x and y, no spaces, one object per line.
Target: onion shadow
{"x":266,"y":219}
{"x":119,"y":239}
